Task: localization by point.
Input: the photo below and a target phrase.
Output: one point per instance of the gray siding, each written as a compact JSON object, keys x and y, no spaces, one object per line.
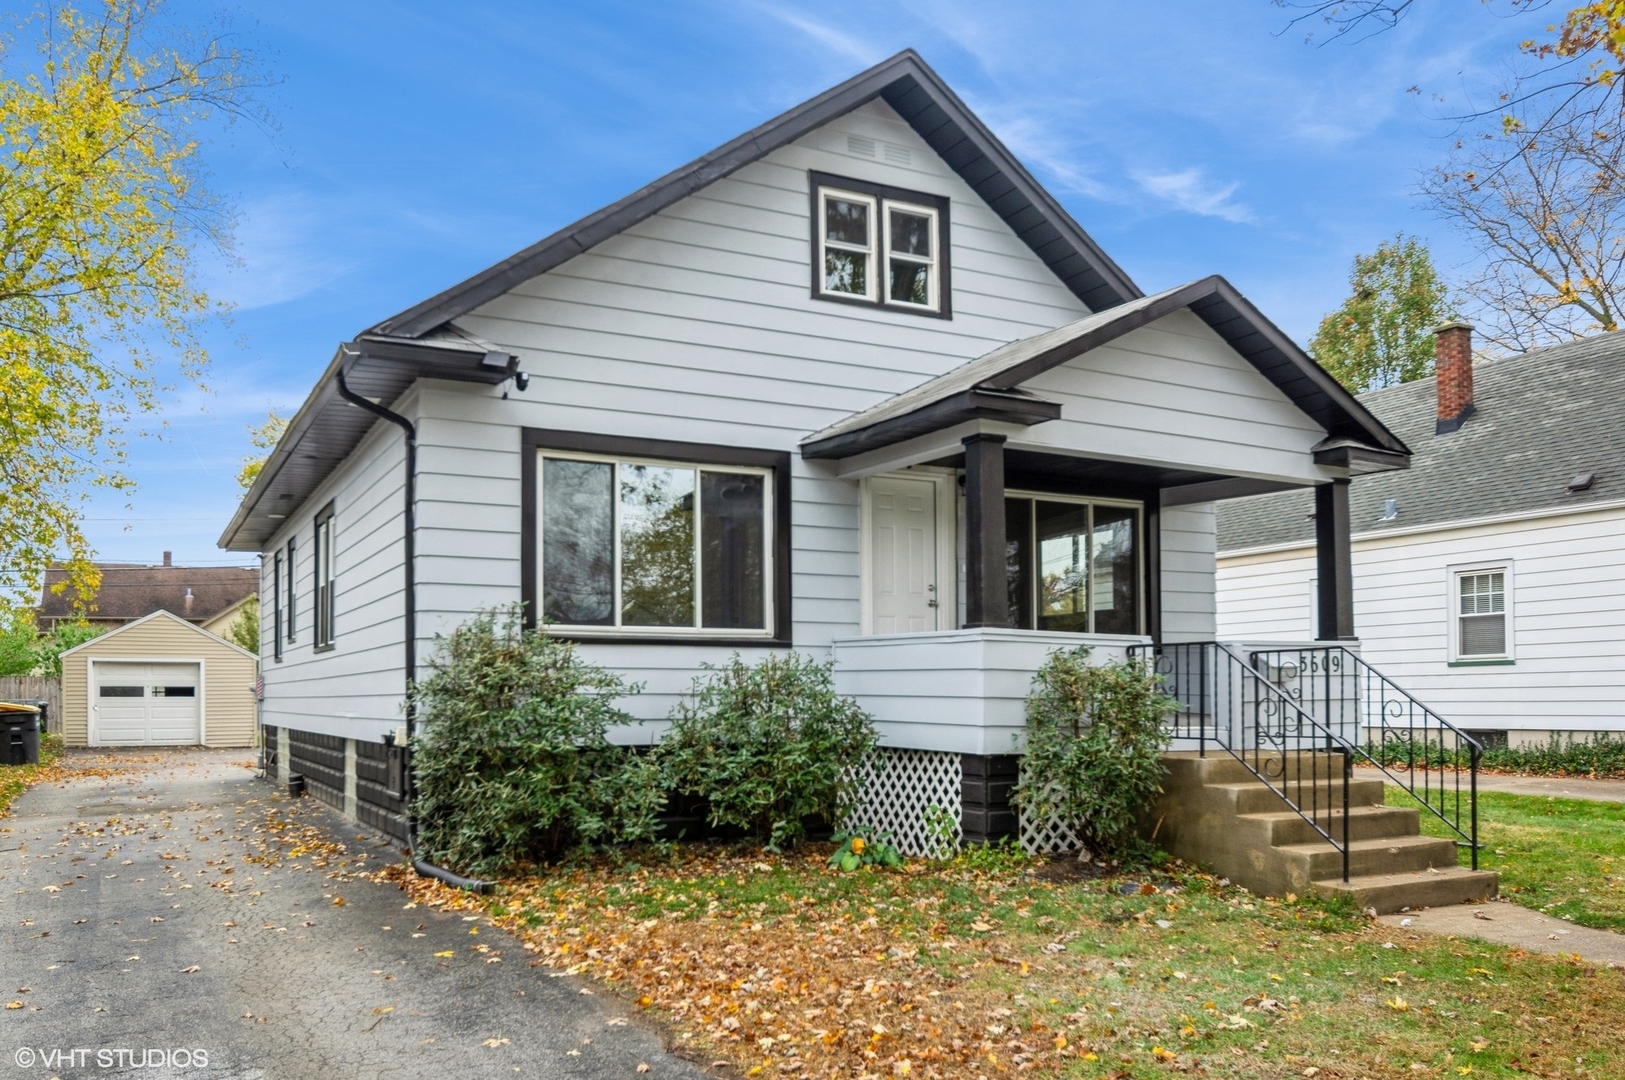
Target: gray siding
{"x":1189,"y":610}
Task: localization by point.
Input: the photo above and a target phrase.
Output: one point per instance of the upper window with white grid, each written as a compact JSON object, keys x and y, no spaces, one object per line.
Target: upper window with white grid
{"x":1481,"y":629}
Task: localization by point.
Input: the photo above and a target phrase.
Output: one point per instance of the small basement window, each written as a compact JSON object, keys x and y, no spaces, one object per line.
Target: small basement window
{"x":880,"y":245}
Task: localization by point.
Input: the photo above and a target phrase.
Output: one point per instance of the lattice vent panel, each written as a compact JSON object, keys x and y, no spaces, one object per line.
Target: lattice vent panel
{"x":1047,"y":836}
{"x":914,"y":795}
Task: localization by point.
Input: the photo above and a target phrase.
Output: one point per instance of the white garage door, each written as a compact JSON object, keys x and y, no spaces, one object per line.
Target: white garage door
{"x":145,"y":704}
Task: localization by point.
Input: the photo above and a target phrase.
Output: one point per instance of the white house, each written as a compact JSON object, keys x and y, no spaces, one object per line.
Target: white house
{"x":1488,"y":577}
{"x":852,"y":383}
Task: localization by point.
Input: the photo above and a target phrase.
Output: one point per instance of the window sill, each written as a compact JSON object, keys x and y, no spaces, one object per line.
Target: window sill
{"x":881,"y":305}
{"x":1480,"y":663}
{"x":589,"y":638}
{"x":329,"y":647}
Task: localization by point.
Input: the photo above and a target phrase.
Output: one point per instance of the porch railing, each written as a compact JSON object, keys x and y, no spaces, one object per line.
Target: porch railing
{"x":1227,"y":704}
{"x":1417,"y":749}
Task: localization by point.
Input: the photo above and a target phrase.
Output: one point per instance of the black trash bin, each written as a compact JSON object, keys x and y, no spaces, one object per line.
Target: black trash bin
{"x":19,"y":734}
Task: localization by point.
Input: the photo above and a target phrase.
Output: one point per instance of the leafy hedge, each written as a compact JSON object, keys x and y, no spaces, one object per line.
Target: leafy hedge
{"x":1601,"y":756}
{"x":512,"y":763}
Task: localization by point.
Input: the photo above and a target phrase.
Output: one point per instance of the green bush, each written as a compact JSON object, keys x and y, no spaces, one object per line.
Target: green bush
{"x":512,"y":763}
{"x":1095,"y":738}
{"x":1601,"y":755}
{"x":768,"y":746}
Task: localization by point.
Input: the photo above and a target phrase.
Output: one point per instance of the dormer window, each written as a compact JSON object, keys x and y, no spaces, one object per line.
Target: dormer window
{"x":880,"y":245}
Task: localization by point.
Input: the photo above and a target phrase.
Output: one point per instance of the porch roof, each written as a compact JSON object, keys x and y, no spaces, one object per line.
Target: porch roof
{"x":990,"y":386}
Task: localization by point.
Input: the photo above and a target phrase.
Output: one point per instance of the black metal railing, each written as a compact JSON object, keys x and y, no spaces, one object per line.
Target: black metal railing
{"x":1417,"y":749}
{"x":1227,"y":704}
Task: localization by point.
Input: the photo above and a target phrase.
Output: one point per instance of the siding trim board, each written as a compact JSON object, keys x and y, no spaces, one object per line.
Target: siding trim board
{"x":535,"y":440}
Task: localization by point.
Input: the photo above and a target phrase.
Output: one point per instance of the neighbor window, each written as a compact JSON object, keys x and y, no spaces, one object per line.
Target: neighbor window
{"x":321,"y":554}
{"x":276,"y":605}
{"x":1482,"y":622}
{"x":880,"y":245}
{"x":1074,"y":565}
{"x":655,"y":546}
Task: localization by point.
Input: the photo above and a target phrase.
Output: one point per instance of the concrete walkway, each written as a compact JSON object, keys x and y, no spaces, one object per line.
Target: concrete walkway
{"x":137,"y":917}
{"x":1561,"y":787}
{"x":1509,"y":924}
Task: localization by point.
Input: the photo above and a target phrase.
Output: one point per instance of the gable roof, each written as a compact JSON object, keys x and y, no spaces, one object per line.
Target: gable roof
{"x":986,"y":385}
{"x":1540,"y":419}
{"x":102,"y":639}
{"x":132,"y":592}
{"x":920,"y":97}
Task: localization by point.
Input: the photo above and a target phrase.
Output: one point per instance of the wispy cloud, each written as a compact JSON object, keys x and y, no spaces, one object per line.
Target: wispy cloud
{"x":837,"y":41}
{"x":1191,"y":191}
{"x":284,"y":250}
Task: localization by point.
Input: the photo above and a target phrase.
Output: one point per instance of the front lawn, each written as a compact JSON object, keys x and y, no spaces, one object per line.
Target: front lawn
{"x":1565,"y":857}
{"x":991,"y":965}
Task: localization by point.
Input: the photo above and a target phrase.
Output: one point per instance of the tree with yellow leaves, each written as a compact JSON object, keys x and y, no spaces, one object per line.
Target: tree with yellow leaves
{"x":101,"y":211}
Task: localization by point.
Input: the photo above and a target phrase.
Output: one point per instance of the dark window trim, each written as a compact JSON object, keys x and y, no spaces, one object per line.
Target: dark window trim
{"x":1150,"y":533}
{"x":940,"y":203}
{"x":276,"y":606}
{"x":325,"y":624}
{"x":293,"y":592}
{"x":533,"y":440}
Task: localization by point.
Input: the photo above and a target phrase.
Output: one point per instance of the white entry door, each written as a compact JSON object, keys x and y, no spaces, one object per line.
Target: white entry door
{"x":903,"y":546}
{"x":145,"y":705}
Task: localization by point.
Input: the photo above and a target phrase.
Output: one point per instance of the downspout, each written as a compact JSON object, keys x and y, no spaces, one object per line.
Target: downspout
{"x":425,"y":869}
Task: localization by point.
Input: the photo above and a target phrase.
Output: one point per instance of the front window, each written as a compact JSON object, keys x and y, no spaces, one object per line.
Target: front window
{"x":1073,"y":565}
{"x":638,"y":545}
{"x":880,"y":245}
{"x":1481,"y":619}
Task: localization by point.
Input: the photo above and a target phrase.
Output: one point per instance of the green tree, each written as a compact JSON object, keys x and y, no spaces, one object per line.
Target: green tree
{"x":264,"y":437}
{"x":1383,"y":333}
{"x":63,"y":636}
{"x":245,"y":628}
{"x":19,"y":643}
{"x":102,"y":110}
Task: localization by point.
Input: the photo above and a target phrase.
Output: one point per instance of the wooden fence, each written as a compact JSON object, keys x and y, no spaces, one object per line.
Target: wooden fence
{"x":29,"y":688}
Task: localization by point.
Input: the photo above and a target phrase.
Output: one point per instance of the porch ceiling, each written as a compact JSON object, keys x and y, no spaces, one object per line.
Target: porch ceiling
{"x":1038,"y":471}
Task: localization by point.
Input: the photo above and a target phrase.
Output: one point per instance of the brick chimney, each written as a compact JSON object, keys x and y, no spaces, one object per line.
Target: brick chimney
{"x":1453,"y":345}
{"x":166,"y":558}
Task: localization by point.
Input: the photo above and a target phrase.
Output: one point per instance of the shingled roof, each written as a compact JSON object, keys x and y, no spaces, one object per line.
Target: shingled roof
{"x":194,"y":593}
{"x":1541,"y":419}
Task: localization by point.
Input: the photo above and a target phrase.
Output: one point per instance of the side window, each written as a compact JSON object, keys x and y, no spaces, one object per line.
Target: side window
{"x":276,"y":605}
{"x":1482,"y":614}
{"x":321,"y":554}
{"x":293,"y":593}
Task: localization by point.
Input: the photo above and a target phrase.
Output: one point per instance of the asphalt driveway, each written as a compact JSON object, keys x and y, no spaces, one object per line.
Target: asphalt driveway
{"x":151,"y":925}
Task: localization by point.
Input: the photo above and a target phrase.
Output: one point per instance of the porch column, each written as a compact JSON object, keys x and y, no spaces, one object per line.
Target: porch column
{"x":1334,"y":566}
{"x":987,"y":592}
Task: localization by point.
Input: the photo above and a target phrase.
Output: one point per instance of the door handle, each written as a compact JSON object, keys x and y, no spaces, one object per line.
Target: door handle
{"x":930,"y":603}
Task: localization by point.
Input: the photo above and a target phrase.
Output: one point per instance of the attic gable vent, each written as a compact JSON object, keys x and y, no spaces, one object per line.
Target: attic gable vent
{"x":857,"y":144}
{"x":898,"y":155}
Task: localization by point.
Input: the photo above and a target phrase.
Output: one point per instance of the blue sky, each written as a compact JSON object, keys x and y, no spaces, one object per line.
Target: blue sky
{"x":417,"y":142}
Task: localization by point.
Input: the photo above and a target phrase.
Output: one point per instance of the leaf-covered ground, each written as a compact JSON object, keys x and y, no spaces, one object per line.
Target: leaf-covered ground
{"x":988,"y":966}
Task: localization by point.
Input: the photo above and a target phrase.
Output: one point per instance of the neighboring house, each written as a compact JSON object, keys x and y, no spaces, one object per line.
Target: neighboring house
{"x":1488,"y":577}
{"x":853,"y":384}
{"x":209,"y":596}
{"x":160,"y":680}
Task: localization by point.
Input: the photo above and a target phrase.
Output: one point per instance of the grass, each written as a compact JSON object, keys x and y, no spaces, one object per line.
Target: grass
{"x":16,"y":779}
{"x":990,"y":965}
{"x":1565,"y":857}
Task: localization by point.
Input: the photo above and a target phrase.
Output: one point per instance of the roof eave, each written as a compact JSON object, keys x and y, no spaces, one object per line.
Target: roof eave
{"x":977,"y":403}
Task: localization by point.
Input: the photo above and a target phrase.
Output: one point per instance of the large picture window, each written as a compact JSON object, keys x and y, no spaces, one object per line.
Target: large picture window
{"x":632,"y":545}
{"x":1074,"y":565}
{"x":880,"y":245}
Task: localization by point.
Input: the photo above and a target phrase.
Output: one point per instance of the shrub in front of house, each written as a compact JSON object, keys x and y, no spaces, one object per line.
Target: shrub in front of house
{"x":768,"y":746}
{"x":1095,"y":739}
{"x":512,"y":764}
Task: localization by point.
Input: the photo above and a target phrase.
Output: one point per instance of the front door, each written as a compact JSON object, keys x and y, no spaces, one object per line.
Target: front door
{"x":903,"y":543}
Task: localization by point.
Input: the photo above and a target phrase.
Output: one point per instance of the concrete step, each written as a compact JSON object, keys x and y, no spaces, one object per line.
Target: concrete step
{"x":1387,"y":855}
{"x":1285,"y":827}
{"x":1388,"y":893}
{"x":1256,"y":797}
{"x":1220,"y":767}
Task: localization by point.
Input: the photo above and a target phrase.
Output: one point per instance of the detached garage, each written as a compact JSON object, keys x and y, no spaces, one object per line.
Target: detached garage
{"x":158,"y":681}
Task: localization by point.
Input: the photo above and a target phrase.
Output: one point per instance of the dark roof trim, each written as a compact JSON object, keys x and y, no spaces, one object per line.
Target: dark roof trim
{"x":327,"y":428}
{"x":1357,"y":459}
{"x":910,"y":87}
{"x":1214,"y":300}
{"x":977,"y":403}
